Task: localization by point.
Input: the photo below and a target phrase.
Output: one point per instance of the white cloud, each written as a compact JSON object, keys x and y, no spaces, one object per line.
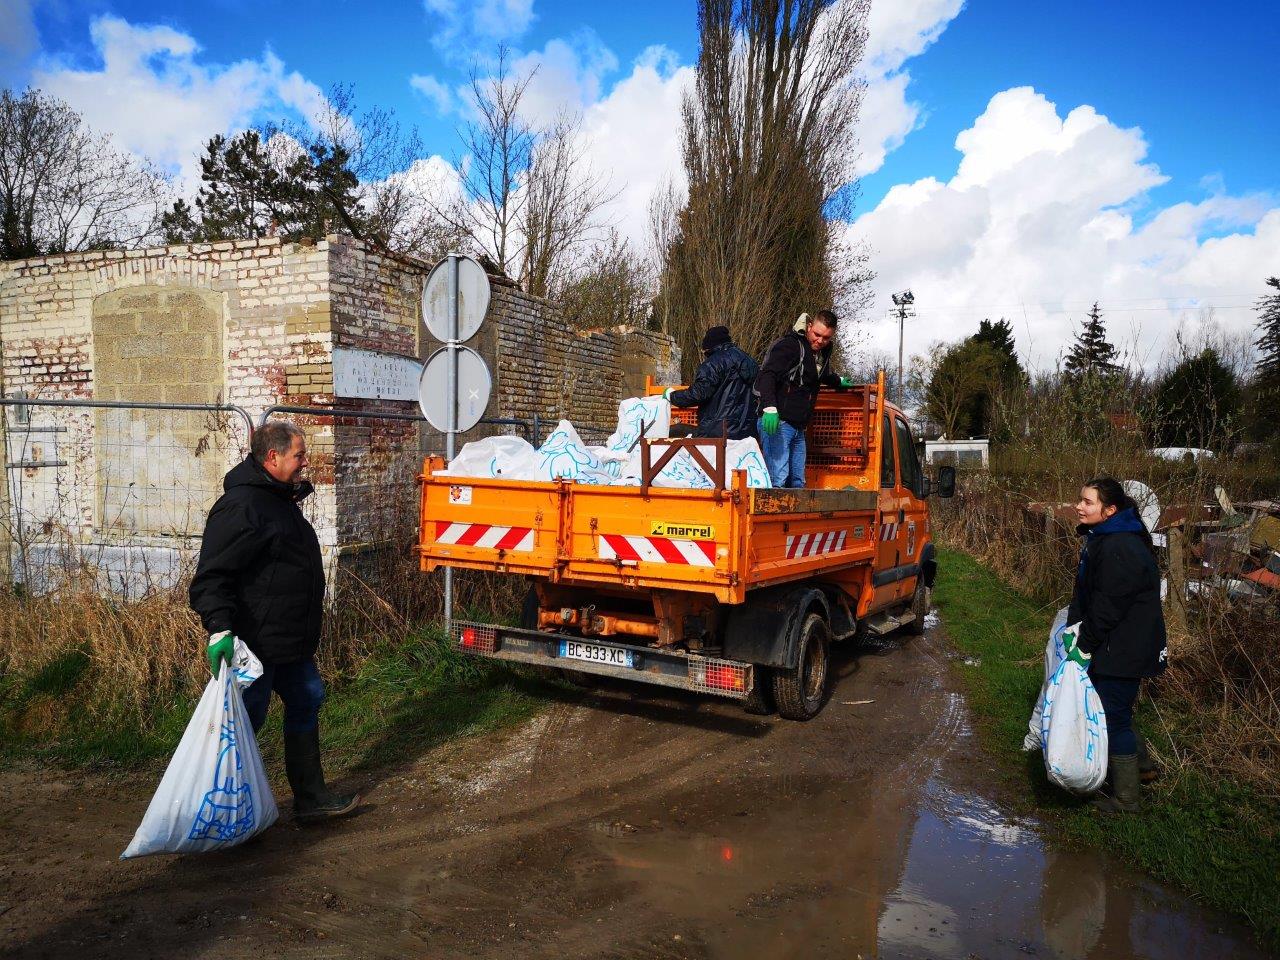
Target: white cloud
{"x":897,"y":31}
{"x":156,"y":99}
{"x":1039,"y":221}
{"x":634,"y":135}
{"x":462,"y":29}
{"x":433,"y":90}
{"x":568,"y":74}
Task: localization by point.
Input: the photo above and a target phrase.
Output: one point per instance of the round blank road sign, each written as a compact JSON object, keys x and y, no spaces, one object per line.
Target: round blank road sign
{"x":474,"y":386}
{"x":473,"y":299}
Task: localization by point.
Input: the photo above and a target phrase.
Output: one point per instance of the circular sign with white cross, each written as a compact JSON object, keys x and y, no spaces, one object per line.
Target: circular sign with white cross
{"x":474,"y":387}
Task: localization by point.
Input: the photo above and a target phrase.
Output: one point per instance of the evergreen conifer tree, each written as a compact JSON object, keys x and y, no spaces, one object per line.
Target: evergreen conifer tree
{"x":1266,"y":385}
{"x":1092,"y":353}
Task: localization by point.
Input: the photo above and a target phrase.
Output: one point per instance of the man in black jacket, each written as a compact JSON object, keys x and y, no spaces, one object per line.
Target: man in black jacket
{"x":721,"y":389}
{"x":260,"y":578}
{"x":787,"y":388}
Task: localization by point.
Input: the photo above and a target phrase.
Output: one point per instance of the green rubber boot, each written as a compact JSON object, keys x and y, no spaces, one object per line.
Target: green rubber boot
{"x":1123,"y":797}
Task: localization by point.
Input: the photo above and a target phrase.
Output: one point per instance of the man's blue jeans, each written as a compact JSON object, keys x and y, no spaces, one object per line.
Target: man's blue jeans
{"x":300,"y":688}
{"x":783,"y":454}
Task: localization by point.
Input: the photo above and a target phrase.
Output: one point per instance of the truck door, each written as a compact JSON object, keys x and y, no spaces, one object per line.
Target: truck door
{"x":915,"y":532}
{"x":889,"y":548}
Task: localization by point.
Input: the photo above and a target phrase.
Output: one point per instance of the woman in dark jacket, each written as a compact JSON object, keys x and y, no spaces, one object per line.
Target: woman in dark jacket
{"x":1121,"y":637}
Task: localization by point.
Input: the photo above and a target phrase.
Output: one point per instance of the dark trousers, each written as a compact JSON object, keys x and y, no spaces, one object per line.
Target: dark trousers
{"x":1118,"y":696}
{"x":299,"y":687}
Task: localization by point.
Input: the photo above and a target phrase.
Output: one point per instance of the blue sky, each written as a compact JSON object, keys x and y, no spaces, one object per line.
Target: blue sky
{"x":1016,"y":156}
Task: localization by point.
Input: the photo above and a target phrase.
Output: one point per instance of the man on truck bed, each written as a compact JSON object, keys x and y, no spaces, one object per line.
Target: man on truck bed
{"x":722,"y":389}
{"x":787,"y":388}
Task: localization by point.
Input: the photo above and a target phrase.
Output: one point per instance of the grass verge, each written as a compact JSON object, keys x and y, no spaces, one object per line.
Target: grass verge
{"x":402,"y":700}
{"x":1219,"y":841}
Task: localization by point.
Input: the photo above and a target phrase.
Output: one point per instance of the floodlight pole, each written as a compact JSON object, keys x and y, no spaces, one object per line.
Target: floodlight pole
{"x":451,"y":414}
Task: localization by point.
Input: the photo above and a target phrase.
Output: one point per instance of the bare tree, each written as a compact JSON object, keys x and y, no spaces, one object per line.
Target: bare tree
{"x":562,"y":207}
{"x":664,"y":232}
{"x":612,"y":287}
{"x":497,"y":147}
{"x":65,"y":188}
{"x":768,"y":146}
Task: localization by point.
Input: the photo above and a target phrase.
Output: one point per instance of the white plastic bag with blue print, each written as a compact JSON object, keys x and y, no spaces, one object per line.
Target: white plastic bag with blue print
{"x":214,"y":793}
{"x":1054,"y":654}
{"x":1073,"y":729}
{"x":512,"y":458}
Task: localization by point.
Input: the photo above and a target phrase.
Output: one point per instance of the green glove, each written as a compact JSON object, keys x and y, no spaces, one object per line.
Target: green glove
{"x":666,"y":394}
{"x":846,"y":381}
{"x":222,"y":646}
{"x":769,"y":421}
{"x":1070,"y":640}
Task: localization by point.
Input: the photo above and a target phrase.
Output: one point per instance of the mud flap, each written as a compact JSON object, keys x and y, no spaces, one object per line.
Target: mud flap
{"x":765,"y":629}
{"x":929,"y":564}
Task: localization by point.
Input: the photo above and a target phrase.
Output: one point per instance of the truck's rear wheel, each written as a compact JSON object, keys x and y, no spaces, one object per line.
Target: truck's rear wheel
{"x":801,"y":691}
{"x":920,"y":607}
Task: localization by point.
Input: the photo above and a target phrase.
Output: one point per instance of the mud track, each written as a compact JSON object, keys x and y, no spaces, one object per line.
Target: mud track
{"x":619,"y":823}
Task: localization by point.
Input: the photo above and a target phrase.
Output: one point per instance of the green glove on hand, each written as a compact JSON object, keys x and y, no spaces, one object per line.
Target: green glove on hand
{"x":846,"y":381}
{"x":769,"y":421}
{"x":222,"y":646}
{"x":666,"y":394}
{"x":1070,"y":640}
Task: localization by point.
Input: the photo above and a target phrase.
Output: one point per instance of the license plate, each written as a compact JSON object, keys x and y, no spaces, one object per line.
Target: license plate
{"x":594,"y":653}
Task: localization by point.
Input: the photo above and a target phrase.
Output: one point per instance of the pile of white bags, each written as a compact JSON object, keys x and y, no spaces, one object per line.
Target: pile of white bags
{"x":215,"y":792}
{"x":1068,"y":723}
{"x":564,"y":456}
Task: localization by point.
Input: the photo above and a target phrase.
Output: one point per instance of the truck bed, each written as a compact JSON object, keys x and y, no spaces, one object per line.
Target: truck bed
{"x":717,"y":542}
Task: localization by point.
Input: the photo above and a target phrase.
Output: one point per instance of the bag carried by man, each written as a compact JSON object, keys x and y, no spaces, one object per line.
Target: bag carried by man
{"x":1068,"y":723}
{"x":214,"y":792}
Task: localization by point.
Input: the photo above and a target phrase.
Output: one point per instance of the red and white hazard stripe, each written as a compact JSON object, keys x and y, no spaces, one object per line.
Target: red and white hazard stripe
{"x":889,"y":531}
{"x":694,"y":553}
{"x":814,"y":544}
{"x":485,"y":535}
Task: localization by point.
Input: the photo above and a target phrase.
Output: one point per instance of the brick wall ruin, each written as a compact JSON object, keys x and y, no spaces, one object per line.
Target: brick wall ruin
{"x":253,"y":324}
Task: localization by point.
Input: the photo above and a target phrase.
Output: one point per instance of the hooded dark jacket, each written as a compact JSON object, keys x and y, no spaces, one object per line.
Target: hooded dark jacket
{"x":1117,"y":599}
{"x":260,"y":574}
{"x":790,"y":376}
{"x":721,"y":390}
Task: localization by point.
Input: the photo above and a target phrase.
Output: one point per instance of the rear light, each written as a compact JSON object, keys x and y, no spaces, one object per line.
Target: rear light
{"x":717,"y":676}
{"x":725,"y":678}
{"x":475,"y":637}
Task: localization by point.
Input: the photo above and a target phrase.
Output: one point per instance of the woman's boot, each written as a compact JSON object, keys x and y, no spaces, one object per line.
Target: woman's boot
{"x":1124,"y":787}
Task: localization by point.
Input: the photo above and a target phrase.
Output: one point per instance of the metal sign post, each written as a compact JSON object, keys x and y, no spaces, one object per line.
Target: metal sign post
{"x":455,"y":299}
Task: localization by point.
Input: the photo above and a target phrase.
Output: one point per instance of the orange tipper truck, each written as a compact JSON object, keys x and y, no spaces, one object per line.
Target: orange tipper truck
{"x":732,"y":591}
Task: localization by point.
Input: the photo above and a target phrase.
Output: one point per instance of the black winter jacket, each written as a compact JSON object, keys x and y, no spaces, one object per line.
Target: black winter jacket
{"x":790,"y":376}
{"x":260,"y":574}
{"x":1117,"y":600}
{"x":722,"y":392}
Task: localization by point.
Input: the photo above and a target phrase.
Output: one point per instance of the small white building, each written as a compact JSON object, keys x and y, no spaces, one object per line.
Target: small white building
{"x":970,"y":454}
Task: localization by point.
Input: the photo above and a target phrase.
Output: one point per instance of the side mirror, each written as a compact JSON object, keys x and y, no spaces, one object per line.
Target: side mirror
{"x":946,"y":481}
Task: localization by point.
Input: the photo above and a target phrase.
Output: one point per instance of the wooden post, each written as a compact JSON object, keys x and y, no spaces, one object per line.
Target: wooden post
{"x":1179,"y":633}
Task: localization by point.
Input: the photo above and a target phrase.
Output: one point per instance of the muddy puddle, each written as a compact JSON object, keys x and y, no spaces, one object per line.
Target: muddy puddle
{"x":928,"y":871}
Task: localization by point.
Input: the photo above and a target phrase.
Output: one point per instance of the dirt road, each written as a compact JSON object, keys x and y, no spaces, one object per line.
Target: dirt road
{"x":615,"y":825}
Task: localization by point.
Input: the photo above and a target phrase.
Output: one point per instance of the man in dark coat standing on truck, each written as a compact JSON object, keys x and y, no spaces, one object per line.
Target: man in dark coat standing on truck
{"x":721,"y":389}
{"x":260,"y":578}
{"x":787,"y":390}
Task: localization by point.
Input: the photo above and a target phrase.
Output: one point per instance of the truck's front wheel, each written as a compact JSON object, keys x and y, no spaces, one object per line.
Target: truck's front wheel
{"x":801,"y":691}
